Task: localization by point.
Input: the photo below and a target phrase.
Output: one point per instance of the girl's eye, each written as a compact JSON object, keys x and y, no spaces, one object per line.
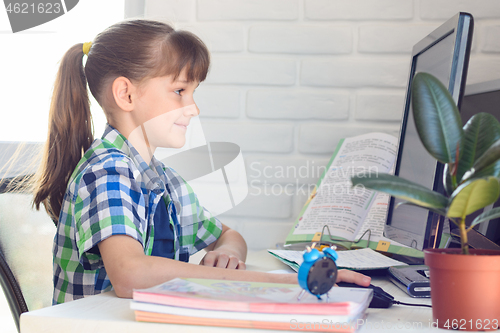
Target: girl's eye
{"x":178,"y":92}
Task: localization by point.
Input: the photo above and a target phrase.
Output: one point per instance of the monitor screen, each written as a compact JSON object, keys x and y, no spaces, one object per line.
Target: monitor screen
{"x":444,"y":53}
{"x":483,"y":97}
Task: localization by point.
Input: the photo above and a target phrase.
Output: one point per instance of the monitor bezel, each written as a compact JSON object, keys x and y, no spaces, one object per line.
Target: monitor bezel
{"x":462,"y":26}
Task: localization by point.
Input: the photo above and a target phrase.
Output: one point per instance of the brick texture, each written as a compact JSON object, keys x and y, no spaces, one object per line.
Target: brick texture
{"x":219,"y":37}
{"x":221,"y":10}
{"x":287,"y":171}
{"x":272,"y":200}
{"x":358,"y":10}
{"x":483,"y":68}
{"x":300,"y":39}
{"x":444,"y":9}
{"x":223,"y":102}
{"x":268,"y":231}
{"x":323,"y":138}
{"x":297,"y":104}
{"x":172,"y":11}
{"x":379,"y":106}
{"x":355,"y":72}
{"x":250,"y":136}
{"x":391,"y":38}
{"x":264,"y":71}
{"x":491,"y":42}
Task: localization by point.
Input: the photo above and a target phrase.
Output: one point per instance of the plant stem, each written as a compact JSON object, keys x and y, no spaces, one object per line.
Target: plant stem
{"x":463,"y":236}
{"x":453,"y":220}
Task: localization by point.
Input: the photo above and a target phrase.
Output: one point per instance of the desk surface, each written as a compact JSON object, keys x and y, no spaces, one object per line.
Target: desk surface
{"x":108,"y":313}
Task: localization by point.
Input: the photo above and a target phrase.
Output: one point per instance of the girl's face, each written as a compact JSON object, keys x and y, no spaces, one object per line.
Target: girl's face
{"x":164,"y":109}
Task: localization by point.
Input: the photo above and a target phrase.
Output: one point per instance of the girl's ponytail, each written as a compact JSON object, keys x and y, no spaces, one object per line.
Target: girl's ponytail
{"x":70,"y":133}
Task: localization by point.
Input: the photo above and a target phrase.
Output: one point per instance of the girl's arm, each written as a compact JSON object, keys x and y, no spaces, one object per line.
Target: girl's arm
{"x":229,"y":251}
{"x":129,"y":268}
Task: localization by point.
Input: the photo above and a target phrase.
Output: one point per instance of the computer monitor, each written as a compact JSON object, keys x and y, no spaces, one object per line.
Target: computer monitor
{"x":483,"y":97}
{"x":444,"y":53}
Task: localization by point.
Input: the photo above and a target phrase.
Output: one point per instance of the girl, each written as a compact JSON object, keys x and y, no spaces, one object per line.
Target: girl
{"x":126,"y":221}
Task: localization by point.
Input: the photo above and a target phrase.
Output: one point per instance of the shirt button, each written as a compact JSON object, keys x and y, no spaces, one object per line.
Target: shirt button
{"x":157,"y":191}
{"x":159,"y":187}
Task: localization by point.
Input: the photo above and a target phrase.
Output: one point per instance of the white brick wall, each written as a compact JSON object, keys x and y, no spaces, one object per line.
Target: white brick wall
{"x":170,"y":10}
{"x":271,"y":199}
{"x":378,"y":105}
{"x":484,"y":67}
{"x":219,"y":37}
{"x":296,"y":171}
{"x":289,"y":78}
{"x":391,"y":38}
{"x":358,"y":10}
{"x":297,"y":104}
{"x":491,"y":41}
{"x":321,"y":138}
{"x":220,"y":101}
{"x":444,"y":9}
{"x":291,"y":38}
{"x":220,"y":10}
{"x":269,"y":137}
{"x":355,"y":72}
{"x":252,"y":70}
{"x":264,"y":231}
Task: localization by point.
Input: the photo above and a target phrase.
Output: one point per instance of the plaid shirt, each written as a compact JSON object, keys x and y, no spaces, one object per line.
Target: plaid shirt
{"x":114,"y":192}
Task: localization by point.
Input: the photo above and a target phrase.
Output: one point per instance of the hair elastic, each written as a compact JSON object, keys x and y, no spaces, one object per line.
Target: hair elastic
{"x":86,"y":48}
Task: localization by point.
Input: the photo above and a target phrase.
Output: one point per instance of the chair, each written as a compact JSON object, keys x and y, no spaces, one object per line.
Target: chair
{"x":26,"y":238}
{"x":12,"y":291}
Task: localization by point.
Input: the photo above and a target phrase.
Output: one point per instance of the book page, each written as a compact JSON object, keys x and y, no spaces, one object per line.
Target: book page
{"x":248,"y":296}
{"x":375,"y":221}
{"x":352,"y":259}
{"x":336,"y":203}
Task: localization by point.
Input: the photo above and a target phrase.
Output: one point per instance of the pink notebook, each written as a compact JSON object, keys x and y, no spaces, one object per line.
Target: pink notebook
{"x":242,"y":296}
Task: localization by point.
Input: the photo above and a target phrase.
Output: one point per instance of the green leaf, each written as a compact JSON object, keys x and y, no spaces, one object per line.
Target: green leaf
{"x":403,"y":189}
{"x":436,"y":117}
{"x":488,"y":158}
{"x":486,"y":216}
{"x":447,"y":181}
{"x":435,"y":210}
{"x":491,"y":170}
{"x":481,"y":132}
{"x":473,"y":195}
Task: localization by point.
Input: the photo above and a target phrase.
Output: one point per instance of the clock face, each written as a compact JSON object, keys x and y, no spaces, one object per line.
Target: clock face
{"x":322,"y":276}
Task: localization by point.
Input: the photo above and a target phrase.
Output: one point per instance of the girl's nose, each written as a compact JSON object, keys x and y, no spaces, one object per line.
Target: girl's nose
{"x":191,"y":110}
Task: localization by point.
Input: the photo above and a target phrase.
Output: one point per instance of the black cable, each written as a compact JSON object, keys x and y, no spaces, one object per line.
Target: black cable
{"x":410,"y":304}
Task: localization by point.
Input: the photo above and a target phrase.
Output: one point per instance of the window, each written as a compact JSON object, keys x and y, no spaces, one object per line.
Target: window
{"x":29,"y":61}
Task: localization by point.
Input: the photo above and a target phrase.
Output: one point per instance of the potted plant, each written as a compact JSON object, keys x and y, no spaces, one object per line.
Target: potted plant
{"x":465,"y":283}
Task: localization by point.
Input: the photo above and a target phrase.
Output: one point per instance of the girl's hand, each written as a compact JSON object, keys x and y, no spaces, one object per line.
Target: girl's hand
{"x":345,"y":275}
{"x":221,"y":259}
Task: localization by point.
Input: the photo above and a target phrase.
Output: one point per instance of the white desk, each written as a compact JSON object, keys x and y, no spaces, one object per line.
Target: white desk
{"x":108,"y":313}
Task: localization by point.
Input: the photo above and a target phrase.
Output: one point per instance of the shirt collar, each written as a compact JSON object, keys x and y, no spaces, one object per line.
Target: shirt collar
{"x":149,"y":175}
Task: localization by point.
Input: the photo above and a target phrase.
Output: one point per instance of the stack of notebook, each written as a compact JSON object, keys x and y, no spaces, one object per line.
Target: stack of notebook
{"x":250,"y":305}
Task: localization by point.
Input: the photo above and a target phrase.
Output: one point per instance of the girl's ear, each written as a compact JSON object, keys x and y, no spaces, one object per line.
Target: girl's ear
{"x":123,"y":90}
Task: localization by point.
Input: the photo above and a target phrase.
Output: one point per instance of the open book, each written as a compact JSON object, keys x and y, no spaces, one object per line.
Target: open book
{"x":250,"y":305}
{"x":349,"y":212}
{"x":362,"y":259}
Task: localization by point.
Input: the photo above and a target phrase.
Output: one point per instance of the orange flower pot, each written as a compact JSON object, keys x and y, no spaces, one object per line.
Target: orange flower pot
{"x":465,"y":289}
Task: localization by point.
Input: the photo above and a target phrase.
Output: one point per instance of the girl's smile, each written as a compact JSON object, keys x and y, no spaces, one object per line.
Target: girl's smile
{"x":162,"y":111}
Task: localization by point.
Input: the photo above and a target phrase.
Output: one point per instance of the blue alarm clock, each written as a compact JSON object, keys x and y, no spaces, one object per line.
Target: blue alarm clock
{"x":318,"y":272}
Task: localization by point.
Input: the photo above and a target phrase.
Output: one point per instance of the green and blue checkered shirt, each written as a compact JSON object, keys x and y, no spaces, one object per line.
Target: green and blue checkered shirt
{"x":113,"y":191}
